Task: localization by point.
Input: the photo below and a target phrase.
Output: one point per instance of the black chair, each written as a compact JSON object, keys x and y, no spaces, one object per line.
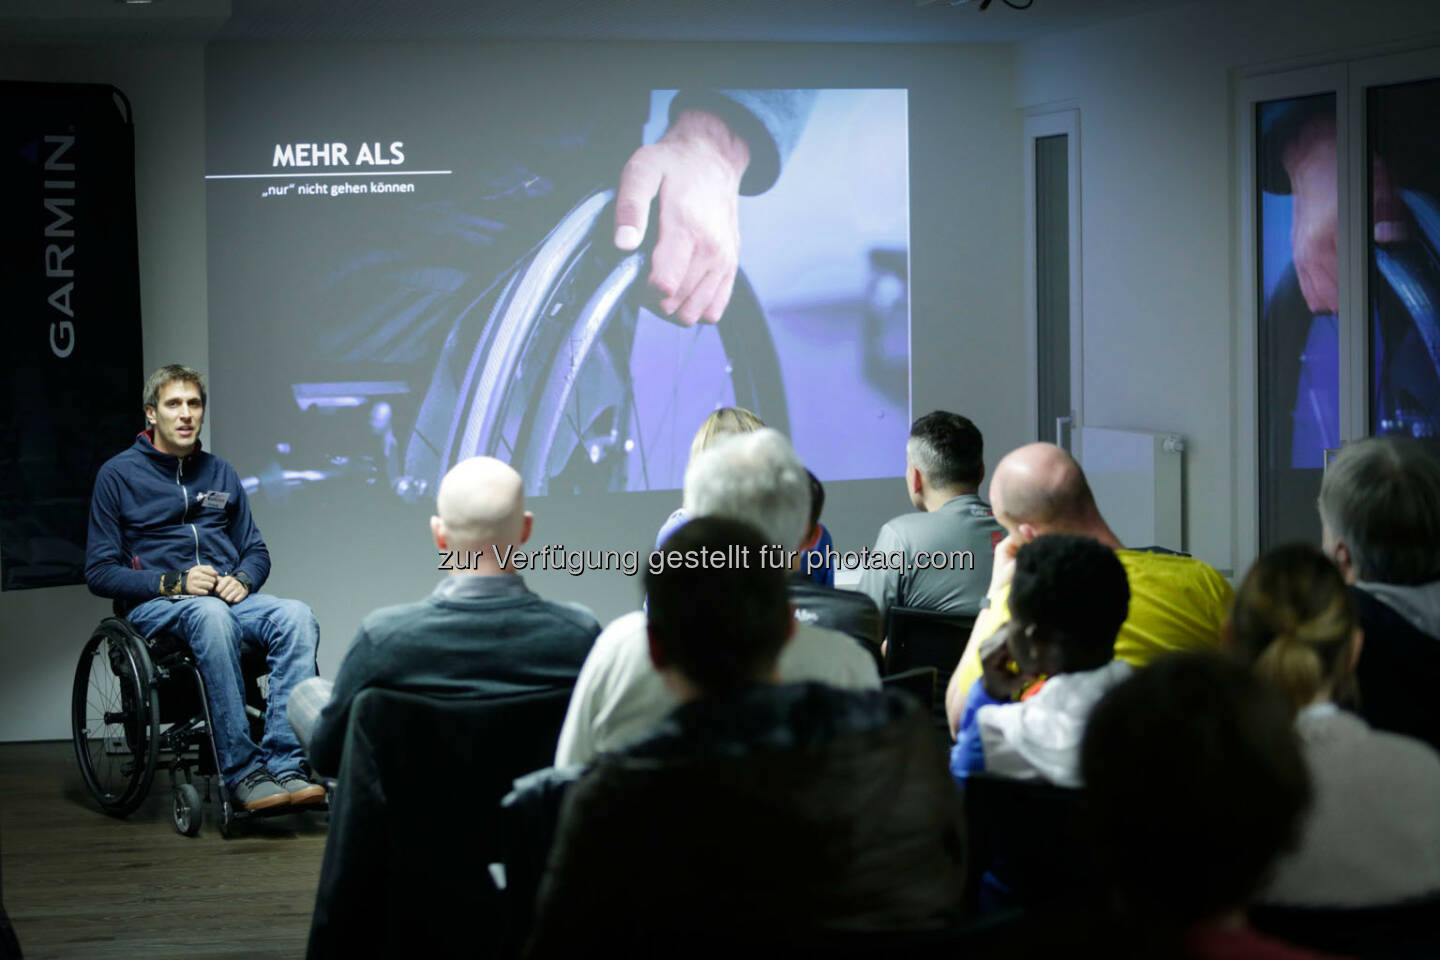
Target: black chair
{"x":1404,"y":931}
{"x":529,"y":815}
{"x":925,"y":638}
{"x":1028,"y":845}
{"x":918,"y":682}
{"x":415,"y":822}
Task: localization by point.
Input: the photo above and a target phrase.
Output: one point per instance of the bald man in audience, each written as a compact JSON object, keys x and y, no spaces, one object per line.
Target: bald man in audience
{"x":480,"y":633}
{"x":1176,"y":602}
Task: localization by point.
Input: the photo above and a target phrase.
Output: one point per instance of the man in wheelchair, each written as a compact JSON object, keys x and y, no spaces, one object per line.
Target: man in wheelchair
{"x":172,"y":541}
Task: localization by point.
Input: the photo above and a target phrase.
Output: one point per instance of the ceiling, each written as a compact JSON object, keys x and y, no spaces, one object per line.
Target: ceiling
{"x":824,"y":21}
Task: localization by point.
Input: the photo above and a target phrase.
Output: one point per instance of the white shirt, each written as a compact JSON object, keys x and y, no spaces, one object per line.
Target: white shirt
{"x":1041,"y":736}
{"x":619,"y":694}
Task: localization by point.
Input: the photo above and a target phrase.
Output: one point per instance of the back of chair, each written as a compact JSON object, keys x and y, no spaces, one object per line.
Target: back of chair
{"x":415,"y":821}
{"x":925,"y":638}
{"x":918,"y":682}
{"x":1404,"y":931}
{"x":1027,"y":844}
{"x":529,"y":815}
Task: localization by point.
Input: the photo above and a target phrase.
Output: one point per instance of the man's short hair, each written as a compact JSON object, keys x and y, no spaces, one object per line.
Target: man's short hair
{"x":1381,"y":498}
{"x":1074,"y":587}
{"x":166,"y":374}
{"x":755,"y":478}
{"x":947,"y":449}
{"x":723,"y":628}
{"x":1194,"y":784}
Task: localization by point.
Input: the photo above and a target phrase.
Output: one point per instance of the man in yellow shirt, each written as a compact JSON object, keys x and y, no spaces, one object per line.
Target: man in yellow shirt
{"x":1176,"y":602}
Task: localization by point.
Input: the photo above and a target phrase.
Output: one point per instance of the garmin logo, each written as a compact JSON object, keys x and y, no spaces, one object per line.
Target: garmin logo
{"x":59,"y":200}
{"x":336,"y":155}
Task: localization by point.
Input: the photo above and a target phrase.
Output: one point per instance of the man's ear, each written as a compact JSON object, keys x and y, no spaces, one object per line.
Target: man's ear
{"x":1345,"y":562}
{"x":811,"y":540}
{"x":1027,"y":531}
{"x":150,"y":414}
{"x":437,"y":530}
{"x":916,"y":480}
{"x":527,"y":527}
{"x":657,"y":650}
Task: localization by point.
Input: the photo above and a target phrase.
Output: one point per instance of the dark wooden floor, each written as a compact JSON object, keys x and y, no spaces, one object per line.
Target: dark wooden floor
{"x":80,"y":884}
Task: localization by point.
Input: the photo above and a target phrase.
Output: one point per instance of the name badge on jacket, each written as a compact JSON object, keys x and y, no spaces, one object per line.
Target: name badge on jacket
{"x":213,"y":499}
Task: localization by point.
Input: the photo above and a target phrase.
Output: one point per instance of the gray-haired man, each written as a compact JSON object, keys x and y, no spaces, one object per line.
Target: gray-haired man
{"x":1380,"y":516}
{"x":754,"y":478}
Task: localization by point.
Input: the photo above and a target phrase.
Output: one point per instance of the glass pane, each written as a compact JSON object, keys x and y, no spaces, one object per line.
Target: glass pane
{"x":1404,"y":237}
{"x":1052,"y":282}
{"x":1299,"y":345}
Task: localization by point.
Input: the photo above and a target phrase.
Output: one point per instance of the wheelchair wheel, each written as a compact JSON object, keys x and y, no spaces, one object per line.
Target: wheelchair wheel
{"x":552,"y":386}
{"x":115,"y":718}
{"x":186,"y":812}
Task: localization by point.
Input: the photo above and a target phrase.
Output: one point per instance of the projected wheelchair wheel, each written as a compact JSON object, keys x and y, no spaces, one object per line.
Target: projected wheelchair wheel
{"x":115,"y":719}
{"x":585,"y":391}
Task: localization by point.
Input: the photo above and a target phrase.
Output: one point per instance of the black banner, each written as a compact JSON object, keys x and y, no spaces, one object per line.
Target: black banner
{"x":69,"y":283}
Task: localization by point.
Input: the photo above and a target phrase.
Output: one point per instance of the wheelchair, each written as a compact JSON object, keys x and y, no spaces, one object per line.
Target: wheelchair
{"x":139,"y":703}
{"x":554,"y":365}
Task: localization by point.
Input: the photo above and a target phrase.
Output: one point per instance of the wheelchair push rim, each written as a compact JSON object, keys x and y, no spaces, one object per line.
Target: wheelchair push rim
{"x":115,"y":719}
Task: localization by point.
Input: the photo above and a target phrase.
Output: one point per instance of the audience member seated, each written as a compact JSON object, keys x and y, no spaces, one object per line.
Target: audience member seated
{"x":1195,"y":784}
{"x":1176,"y":603}
{"x":1373,"y":836}
{"x":1067,"y":601}
{"x":480,"y":633}
{"x":1380,"y":514}
{"x":754,"y":478}
{"x":755,"y":814}
{"x":944,"y":464}
{"x":848,"y":611}
{"x":727,"y":422}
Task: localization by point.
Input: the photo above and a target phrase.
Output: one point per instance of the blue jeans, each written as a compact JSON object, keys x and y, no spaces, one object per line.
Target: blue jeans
{"x":288,"y":633}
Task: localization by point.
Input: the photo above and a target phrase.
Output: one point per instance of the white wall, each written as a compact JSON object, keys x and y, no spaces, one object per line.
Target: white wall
{"x":968,"y":339}
{"x":41,"y":631}
{"x":1157,"y":194}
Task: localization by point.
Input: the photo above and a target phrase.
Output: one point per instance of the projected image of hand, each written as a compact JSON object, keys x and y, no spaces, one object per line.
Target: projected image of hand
{"x":694,"y":170}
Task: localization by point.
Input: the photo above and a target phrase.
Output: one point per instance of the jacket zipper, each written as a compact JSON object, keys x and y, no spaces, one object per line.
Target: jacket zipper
{"x":184,"y":513}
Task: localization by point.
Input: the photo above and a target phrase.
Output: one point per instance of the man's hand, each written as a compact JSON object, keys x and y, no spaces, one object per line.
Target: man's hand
{"x":998,"y":674}
{"x":230,"y":590}
{"x":1004,"y":567}
{"x":1309,"y":160}
{"x":695,"y":170}
{"x":200,"y":580}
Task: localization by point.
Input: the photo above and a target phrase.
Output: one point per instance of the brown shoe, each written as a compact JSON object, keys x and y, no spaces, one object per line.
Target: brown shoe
{"x":259,"y":791}
{"x":301,"y":791}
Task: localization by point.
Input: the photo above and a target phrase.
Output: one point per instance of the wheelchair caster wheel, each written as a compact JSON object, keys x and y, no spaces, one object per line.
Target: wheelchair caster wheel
{"x":187,"y":810}
{"x":225,"y":818}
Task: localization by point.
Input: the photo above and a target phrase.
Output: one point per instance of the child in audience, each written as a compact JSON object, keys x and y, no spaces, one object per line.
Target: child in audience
{"x":1194,"y":784}
{"x":1067,"y":601}
{"x":1374,"y":835}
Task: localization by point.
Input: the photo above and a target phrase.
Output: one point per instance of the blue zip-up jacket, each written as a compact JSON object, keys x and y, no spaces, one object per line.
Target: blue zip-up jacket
{"x":153,"y":513}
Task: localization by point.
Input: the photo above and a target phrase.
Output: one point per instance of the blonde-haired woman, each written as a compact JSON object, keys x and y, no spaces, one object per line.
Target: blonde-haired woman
{"x":723,"y":422}
{"x":727,"y":422}
{"x":1373,"y":836}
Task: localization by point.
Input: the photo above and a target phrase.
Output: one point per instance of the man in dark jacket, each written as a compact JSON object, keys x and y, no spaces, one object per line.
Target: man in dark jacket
{"x":756,"y":812}
{"x":1380,"y":522}
{"x":171,"y":538}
